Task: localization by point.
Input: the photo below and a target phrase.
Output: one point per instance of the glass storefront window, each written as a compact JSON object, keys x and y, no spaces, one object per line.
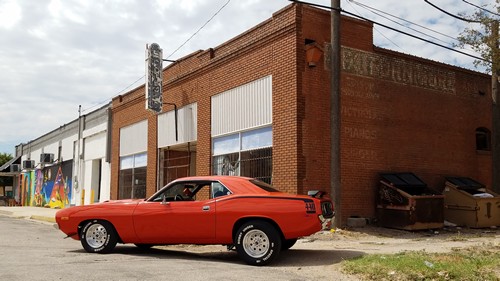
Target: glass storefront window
{"x":246,"y":154}
{"x":262,"y":137}
{"x":132,"y":182}
{"x":226,"y":144}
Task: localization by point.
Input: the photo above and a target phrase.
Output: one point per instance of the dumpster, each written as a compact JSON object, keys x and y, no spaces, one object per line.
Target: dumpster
{"x":469,"y":203}
{"x":405,"y":202}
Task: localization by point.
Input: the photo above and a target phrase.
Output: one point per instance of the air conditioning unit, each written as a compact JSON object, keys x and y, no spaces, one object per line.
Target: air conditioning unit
{"x":15,"y":168}
{"x":47,"y":158}
{"x":29,"y":164}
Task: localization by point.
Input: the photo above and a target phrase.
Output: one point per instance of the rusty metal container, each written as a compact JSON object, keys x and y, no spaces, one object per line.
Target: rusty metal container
{"x":405,"y":202}
{"x":469,"y":203}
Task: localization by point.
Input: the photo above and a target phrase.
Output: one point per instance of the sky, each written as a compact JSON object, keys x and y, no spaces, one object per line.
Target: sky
{"x":56,"y":55}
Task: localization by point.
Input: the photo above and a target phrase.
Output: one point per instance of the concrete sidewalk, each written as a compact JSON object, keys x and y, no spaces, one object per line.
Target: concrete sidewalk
{"x":34,"y":213}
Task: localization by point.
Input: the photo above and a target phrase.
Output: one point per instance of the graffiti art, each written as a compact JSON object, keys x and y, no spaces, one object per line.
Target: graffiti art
{"x":48,"y":187}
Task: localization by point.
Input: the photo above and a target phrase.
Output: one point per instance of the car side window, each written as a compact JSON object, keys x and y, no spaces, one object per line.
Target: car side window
{"x":178,"y":192}
{"x":202,"y":192}
{"x":219,"y":190}
{"x":192,"y":191}
{"x":175,"y":193}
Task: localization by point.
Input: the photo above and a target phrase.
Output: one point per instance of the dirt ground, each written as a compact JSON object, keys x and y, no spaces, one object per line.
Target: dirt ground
{"x":318,"y":257}
{"x":350,"y":243}
{"x":376,"y":240}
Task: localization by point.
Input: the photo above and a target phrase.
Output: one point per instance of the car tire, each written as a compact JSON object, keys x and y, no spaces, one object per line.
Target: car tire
{"x":257,"y":242}
{"x":288,"y":243}
{"x":98,"y":237}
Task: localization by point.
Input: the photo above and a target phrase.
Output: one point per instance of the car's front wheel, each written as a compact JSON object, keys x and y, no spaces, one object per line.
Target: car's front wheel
{"x":98,"y":237}
{"x":257,"y":242}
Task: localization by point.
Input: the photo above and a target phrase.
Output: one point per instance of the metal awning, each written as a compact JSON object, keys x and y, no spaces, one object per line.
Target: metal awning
{"x":5,"y":168}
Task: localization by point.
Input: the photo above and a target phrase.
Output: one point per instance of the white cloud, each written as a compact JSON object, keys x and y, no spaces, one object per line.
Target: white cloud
{"x":10,"y":14}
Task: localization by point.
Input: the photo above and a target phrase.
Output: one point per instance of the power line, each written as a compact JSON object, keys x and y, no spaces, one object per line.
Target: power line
{"x":407,"y":21}
{"x":419,"y":38}
{"x":398,"y":23}
{"x":399,"y":18}
{"x":392,"y":28}
{"x":182,"y":45}
{"x":194,"y":34}
{"x":376,"y":29}
{"x":349,"y":13}
{"x":481,"y":8}
{"x":104,"y":101}
{"x":450,"y":14}
{"x":129,"y":86}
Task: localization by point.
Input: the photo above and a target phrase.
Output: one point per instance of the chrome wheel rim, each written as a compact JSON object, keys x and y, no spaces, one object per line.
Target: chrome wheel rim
{"x":256,"y":243}
{"x":96,"y":236}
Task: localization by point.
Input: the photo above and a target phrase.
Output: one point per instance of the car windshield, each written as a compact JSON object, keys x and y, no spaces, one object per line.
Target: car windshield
{"x":263,"y":185}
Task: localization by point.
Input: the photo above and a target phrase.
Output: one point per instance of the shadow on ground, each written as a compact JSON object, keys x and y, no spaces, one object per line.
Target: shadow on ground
{"x":289,"y":258}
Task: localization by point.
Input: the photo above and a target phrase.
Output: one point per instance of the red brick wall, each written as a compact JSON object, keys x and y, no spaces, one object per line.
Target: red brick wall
{"x":399,"y":113}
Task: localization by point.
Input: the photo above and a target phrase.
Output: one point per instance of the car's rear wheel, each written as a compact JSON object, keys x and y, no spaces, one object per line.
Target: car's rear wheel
{"x":98,"y":237}
{"x":257,"y":242}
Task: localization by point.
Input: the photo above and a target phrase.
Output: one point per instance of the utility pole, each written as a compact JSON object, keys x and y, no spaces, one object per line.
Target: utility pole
{"x":78,"y":162}
{"x":335,"y":111}
{"x":495,"y":118}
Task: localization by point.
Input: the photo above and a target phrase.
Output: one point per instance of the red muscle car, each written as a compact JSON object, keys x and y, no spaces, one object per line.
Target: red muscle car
{"x":243,"y":213}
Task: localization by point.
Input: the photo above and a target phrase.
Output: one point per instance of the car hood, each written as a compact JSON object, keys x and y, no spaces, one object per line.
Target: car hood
{"x":120,"y":202}
{"x":105,"y":204}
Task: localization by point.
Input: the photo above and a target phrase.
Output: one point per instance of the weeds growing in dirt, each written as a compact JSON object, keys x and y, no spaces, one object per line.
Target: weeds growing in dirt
{"x":475,"y":263}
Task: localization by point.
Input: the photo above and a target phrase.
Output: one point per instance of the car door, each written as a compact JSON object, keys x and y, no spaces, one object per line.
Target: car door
{"x":175,"y":222}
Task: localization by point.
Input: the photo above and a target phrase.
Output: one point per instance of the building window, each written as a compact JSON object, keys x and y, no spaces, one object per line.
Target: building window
{"x":132,"y":182}
{"x":483,"y":139}
{"x":177,"y":162}
{"x":246,"y":154}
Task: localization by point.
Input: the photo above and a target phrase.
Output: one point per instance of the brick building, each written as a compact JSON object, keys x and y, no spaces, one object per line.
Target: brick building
{"x":258,"y":105}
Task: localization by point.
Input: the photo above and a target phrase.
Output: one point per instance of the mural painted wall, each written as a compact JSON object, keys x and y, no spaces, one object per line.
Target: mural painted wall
{"x":47,"y":187}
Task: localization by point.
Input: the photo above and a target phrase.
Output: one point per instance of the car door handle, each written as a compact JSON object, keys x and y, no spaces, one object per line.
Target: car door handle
{"x":206,"y":208}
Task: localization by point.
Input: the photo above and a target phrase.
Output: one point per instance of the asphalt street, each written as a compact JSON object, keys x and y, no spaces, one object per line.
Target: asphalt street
{"x":34,"y":250}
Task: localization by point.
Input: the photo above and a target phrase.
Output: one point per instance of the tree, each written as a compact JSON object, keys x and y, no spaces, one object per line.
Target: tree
{"x":480,"y":36}
{"x":484,"y":40}
{"x":4,"y":158}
